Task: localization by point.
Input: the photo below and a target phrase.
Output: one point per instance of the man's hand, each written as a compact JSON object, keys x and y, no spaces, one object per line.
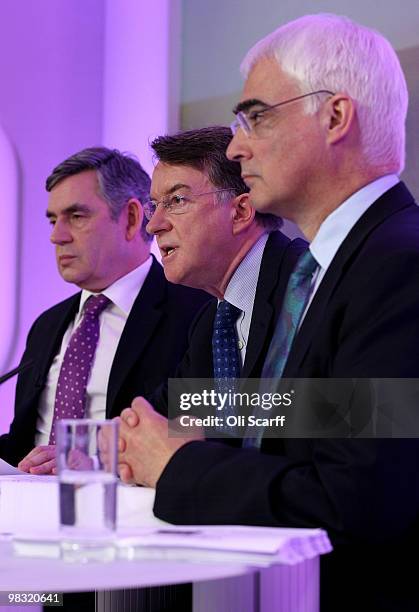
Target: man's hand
{"x":106,"y":446}
{"x":144,"y":444}
{"x":41,"y":460}
{"x":77,"y":460}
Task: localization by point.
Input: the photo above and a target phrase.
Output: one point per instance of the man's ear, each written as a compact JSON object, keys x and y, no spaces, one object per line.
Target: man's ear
{"x":242,"y":212}
{"x":339,"y":117}
{"x":134,"y":218}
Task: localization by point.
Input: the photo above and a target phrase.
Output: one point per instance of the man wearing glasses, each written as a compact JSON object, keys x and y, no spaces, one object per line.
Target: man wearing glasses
{"x":320,"y":135}
{"x":210,"y":238}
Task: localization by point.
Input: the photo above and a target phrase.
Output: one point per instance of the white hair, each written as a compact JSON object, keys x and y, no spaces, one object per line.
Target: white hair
{"x":327,"y":51}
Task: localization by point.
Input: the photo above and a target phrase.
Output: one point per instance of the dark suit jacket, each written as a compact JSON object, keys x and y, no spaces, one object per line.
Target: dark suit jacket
{"x":363,"y":322}
{"x":152,"y":344}
{"x":279,"y":258}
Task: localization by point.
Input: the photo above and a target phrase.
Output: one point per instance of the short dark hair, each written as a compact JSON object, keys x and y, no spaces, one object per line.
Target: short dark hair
{"x":205,"y":150}
{"x":120,"y":177}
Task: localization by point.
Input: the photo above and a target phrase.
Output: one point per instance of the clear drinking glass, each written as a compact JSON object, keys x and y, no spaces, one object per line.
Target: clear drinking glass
{"x":87,"y":472}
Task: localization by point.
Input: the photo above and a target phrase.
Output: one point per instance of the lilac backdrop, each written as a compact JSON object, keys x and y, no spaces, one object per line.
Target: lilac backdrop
{"x":52,"y":70}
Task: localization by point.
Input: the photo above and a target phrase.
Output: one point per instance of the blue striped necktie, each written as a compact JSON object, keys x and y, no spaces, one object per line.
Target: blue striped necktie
{"x":225,"y":353}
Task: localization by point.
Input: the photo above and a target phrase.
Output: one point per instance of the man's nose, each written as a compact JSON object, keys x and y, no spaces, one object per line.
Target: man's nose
{"x":238,"y":148}
{"x":158,"y":222}
{"x":60,"y":233}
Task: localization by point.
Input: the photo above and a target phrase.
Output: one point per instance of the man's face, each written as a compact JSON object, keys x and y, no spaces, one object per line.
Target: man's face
{"x":195,"y":245}
{"x":280,"y":165}
{"x":91,"y":248}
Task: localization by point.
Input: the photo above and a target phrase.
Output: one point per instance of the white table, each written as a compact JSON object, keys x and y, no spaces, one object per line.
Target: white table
{"x":221,"y":587}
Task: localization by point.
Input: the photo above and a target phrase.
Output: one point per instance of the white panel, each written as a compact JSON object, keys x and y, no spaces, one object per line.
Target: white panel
{"x":226,"y":595}
{"x":8,"y":247}
{"x":291,"y":588}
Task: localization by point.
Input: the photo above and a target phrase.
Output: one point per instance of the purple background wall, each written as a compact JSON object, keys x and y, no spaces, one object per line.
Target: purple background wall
{"x":75,"y":73}
{"x":51,"y":72}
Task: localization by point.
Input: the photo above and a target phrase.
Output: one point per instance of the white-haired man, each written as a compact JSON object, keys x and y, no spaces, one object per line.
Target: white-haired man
{"x":319,"y":133}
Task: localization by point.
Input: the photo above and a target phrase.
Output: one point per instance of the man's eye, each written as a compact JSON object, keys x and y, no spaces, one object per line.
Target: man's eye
{"x":255,"y":116}
{"x":77,"y":219}
{"x":52,"y":222}
{"x":176,"y":201}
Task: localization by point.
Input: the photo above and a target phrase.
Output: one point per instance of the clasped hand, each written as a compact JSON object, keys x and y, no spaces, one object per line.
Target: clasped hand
{"x":145,"y":445}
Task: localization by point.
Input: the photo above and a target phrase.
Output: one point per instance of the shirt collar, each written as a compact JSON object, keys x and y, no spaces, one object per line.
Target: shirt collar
{"x":241,"y":289}
{"x":123,"y":291}
{"x":339,"y":223}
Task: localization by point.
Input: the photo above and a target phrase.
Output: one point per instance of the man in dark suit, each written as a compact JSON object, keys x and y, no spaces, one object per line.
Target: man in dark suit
{"x":211,"y":238}
{"x":320,"y":138}
{"x":98,"y":229}
{"x":220,"y":245}
{"x":198,"y":195}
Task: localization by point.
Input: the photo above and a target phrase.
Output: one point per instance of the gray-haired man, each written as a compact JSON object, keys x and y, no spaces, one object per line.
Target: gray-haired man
{"x":97,"y":228}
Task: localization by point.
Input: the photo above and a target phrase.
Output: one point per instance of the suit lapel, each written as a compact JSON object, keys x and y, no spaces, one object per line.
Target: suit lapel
{"x":141,"y":323}
{"x":203,"y":365}
{"x":395,"y":199}
{"x":268,"y":298}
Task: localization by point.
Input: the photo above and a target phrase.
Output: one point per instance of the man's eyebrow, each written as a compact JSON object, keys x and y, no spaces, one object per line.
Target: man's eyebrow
{"x":246,"y":104}
{"x":174,"y":188}
{"x":69,"y":210}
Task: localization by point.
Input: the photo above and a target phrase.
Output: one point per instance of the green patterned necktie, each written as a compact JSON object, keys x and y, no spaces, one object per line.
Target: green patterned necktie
{"x":295,"y":302}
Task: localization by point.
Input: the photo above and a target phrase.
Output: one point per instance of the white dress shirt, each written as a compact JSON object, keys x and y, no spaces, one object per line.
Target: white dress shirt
{"x":339,"y":223}
{"x":241,"y":291}
{"x":122,"y":294}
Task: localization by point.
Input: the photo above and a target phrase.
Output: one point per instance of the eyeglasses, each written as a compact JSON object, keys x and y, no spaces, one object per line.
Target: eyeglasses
{"x":251,"y":121}
{"x":177,"y":204}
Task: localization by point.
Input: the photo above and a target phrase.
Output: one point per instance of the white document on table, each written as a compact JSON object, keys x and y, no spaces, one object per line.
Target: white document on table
{"x":255,"y":545}
{"x":9,"y":470}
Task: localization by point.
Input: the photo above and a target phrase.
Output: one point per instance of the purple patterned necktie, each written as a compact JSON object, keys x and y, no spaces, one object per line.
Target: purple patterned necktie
{"x":70,"y":397}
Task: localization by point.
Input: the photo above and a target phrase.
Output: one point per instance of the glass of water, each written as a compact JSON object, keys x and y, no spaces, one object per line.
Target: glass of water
{"x":87,"y":453}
